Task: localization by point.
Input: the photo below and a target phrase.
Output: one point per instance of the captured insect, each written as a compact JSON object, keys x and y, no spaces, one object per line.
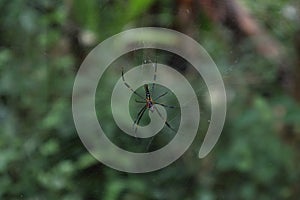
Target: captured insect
{"x":148,"y":101}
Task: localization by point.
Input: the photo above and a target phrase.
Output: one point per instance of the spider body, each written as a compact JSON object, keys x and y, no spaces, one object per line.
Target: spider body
{"x":148,"y":102}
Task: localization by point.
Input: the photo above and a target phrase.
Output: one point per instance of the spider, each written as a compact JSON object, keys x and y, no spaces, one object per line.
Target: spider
{"x":148,"y":101}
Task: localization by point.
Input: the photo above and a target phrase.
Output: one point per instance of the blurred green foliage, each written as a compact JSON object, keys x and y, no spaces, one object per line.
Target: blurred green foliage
{"x":43,"y":158}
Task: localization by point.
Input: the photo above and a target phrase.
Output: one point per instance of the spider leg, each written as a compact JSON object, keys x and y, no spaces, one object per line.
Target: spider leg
{"x":139,"y":117}
{"x":128,"y":86}
{"x":139,"y":113}
{"x":154,"y":77}
{"x":160,"y":96}
{"x":139,"y":101}
{"x":150,"y":142}
{"x":166,"y":123}
{"x":164,"y":105}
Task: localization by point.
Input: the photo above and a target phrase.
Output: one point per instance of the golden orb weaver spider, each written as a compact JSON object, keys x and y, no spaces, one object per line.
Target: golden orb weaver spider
{"x":148,"y":101}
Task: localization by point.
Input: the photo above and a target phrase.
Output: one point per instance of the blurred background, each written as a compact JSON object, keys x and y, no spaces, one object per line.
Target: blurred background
{"x":255,"y":44}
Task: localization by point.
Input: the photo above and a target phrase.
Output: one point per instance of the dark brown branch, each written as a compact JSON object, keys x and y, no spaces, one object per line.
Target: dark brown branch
{"x":238,"y":19}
